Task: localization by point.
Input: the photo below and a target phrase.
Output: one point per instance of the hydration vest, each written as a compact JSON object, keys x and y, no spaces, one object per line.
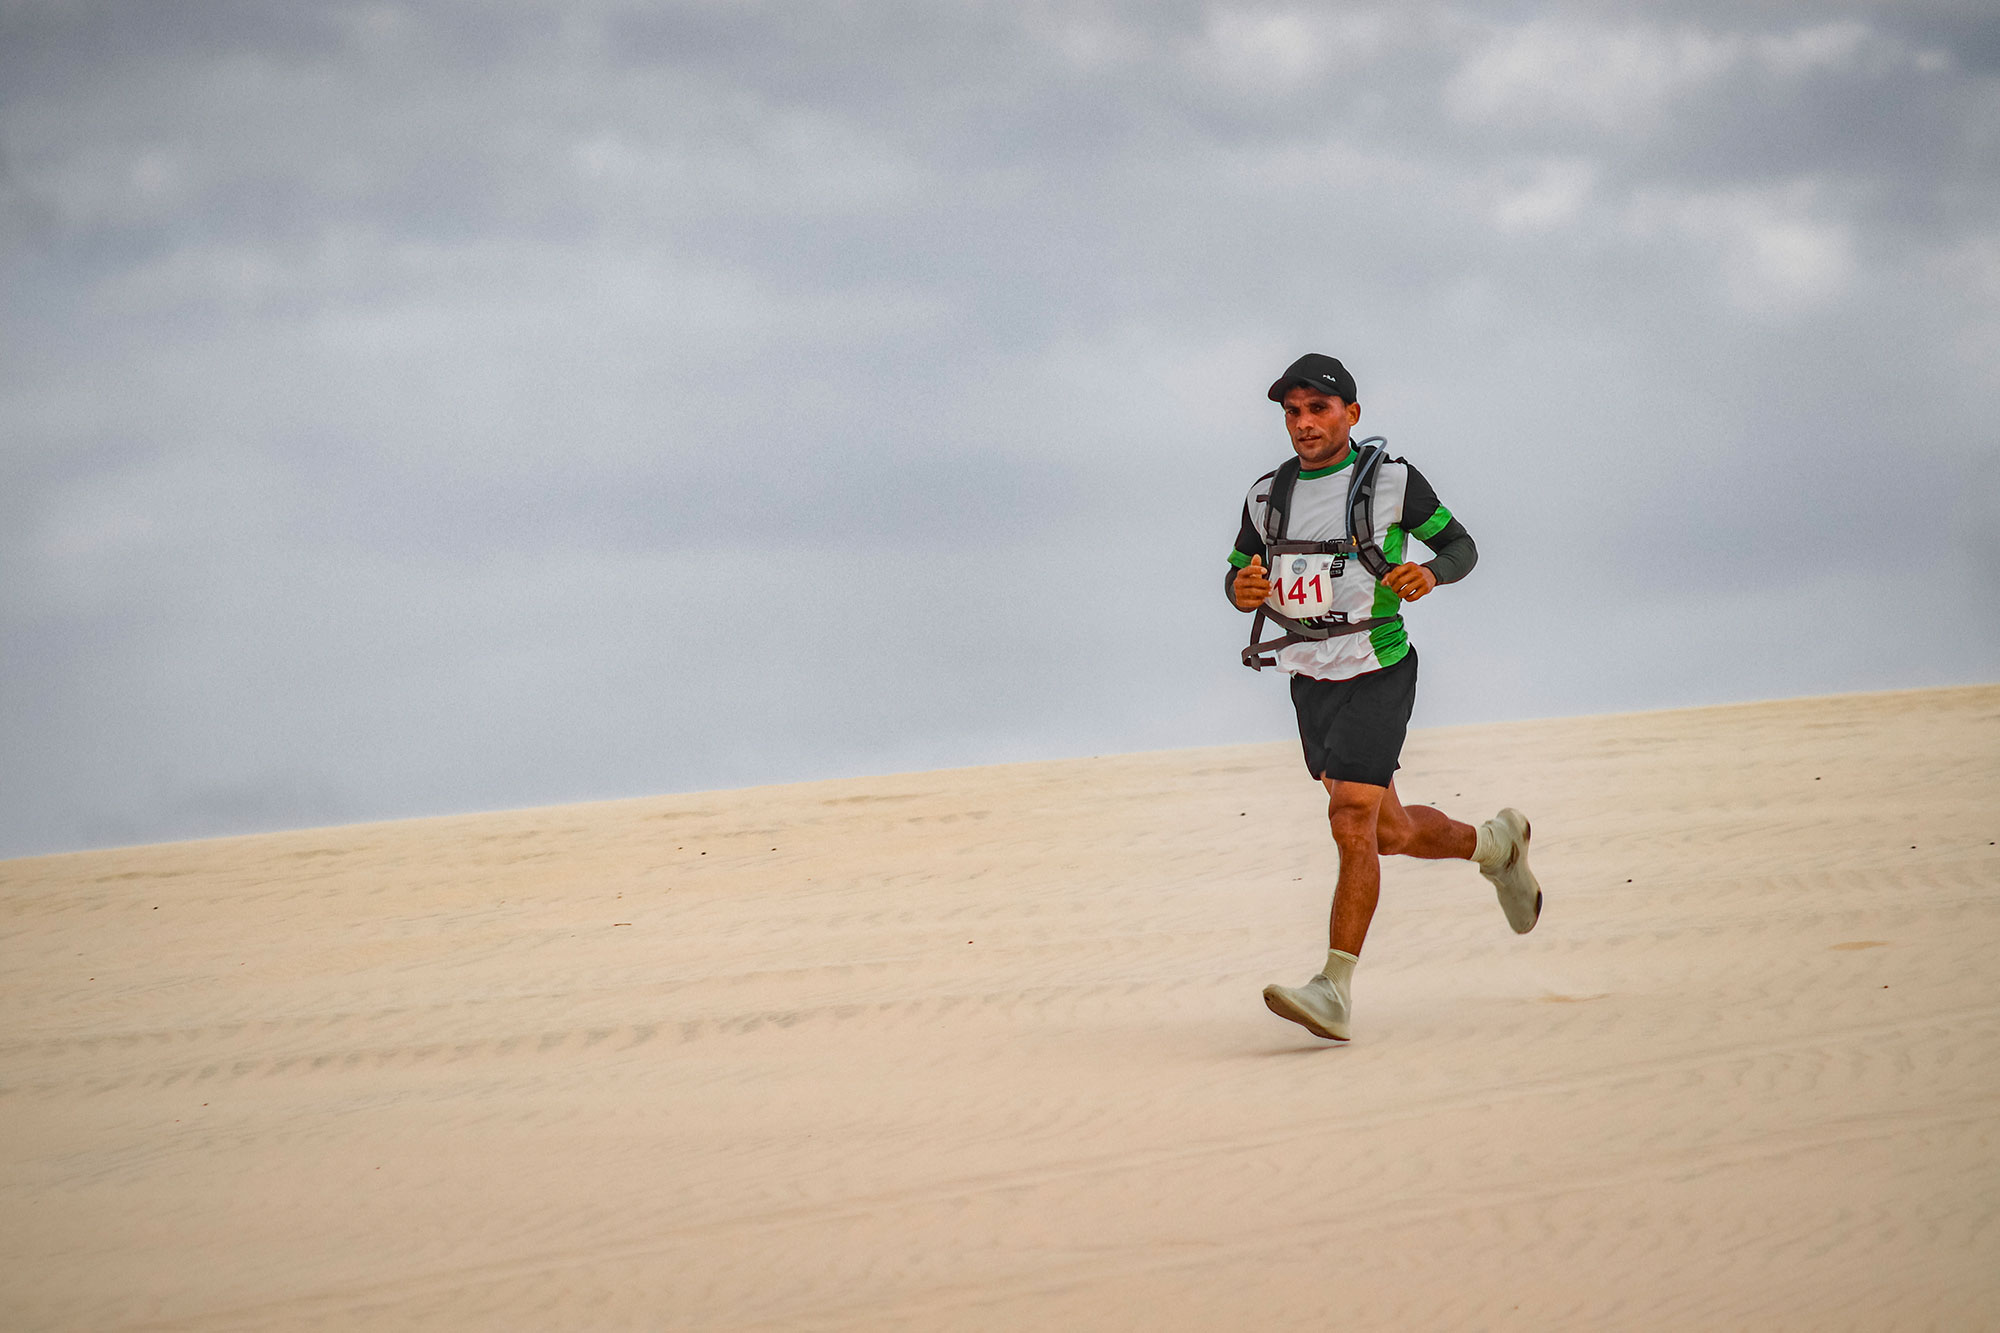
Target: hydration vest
{"x":1359,"y":543}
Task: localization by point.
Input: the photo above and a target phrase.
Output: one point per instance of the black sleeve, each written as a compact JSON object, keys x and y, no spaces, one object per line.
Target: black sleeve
{"x":1455,"y":552}
{"x":1249,"y":543}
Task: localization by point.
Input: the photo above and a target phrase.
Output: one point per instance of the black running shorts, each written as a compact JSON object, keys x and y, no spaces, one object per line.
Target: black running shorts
{"x":1353,"y":729}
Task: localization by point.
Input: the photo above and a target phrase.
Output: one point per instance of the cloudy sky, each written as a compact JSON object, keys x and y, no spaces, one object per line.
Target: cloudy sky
{"x":411,"y":408}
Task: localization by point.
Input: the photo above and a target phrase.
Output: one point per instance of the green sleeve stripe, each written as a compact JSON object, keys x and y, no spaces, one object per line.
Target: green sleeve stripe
{"x":1432,"y":526}
{"x":1238,"y":559}
{"x":1386,"y":602}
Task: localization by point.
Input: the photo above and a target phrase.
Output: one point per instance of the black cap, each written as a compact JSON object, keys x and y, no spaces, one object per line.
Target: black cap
{"x":1314,"y":371}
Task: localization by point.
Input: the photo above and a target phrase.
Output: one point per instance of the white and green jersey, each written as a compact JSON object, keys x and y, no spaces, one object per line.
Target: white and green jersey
{"x":1404,"y":506}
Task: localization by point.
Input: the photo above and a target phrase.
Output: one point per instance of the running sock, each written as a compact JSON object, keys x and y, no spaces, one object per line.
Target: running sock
{"x":1340,"y":969}
{"x":1486,"y":847}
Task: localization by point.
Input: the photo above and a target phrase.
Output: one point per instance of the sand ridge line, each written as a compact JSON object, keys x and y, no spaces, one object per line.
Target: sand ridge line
{"x":456,"y":1048}
{"x":1730,"y":1064}
{"x":1469,"y":935}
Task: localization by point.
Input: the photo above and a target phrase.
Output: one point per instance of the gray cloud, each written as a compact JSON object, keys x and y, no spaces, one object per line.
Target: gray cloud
{"x":431,"y":406}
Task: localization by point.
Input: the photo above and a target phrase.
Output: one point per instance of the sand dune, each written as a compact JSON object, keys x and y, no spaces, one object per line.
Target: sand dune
{"x":984,"y":1049}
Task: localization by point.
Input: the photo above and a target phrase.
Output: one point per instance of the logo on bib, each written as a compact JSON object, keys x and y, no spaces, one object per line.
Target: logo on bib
{"x":1299,"y":565}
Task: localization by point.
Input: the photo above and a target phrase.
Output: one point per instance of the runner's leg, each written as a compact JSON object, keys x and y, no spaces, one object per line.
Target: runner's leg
{"x":1353,"y":808}
{"x":1422,"y":831}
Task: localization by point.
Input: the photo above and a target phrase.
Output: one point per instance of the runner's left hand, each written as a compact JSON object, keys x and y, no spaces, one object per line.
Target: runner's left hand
{"x":1410,"y":581}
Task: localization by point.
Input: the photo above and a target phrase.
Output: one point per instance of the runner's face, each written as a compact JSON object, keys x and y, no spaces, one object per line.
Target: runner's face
{"x":1319,"y":424}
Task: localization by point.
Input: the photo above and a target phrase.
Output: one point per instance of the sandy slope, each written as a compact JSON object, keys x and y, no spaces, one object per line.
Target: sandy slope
{"x":984,"y":1049}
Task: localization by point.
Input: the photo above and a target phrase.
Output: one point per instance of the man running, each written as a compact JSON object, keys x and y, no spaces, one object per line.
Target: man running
{"x":1354,"y":687}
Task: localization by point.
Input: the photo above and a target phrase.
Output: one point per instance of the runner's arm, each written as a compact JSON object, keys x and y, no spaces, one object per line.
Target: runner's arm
{"x":1425,"y":518}
{"x":1454,"y":553}
{"x":1249,"y":546}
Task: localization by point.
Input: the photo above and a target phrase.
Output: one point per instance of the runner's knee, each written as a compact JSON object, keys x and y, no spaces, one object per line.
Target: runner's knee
{"x":1352,"y":821}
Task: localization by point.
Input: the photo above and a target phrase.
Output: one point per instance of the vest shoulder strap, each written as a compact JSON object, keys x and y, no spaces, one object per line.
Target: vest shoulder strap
{"x":1278,"y":507}
{"x":1361,"y":505}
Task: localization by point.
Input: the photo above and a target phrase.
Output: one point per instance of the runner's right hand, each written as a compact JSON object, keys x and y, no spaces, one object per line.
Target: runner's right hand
{"x":1252,"y":584}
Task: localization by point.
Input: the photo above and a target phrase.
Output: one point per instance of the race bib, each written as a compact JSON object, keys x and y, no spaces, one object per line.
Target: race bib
{"x":1302,"y":585}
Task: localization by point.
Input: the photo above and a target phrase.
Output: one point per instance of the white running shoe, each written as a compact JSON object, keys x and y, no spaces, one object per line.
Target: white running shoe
{"x":1505,"y":841}
{"x":1319,"y":1007}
